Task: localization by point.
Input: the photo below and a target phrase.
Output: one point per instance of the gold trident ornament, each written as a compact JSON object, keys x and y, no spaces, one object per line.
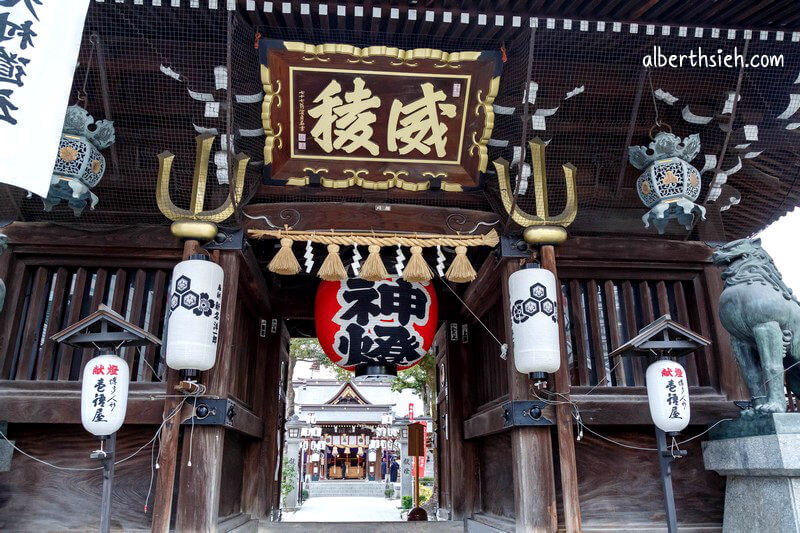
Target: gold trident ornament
{"x":541,"y":228}
{"x":195,"y":223}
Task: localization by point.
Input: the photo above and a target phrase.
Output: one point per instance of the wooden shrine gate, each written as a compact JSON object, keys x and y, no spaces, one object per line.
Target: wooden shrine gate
{"x":499,"y":476}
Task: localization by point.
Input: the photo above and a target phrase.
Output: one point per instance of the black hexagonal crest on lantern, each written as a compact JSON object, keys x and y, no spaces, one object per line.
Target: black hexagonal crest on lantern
{"x":531,"y":307}
{"x":522,"y":310}
{"x":538,"y":291}
{"x":189,"y":300}
{"x":174,"y":302}
{"x":183,"y":284}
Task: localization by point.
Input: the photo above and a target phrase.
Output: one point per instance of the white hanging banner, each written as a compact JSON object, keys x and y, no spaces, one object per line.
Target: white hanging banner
{"x":39,"y":52}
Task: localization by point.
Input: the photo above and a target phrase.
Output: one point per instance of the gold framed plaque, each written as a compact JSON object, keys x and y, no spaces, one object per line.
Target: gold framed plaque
{"x":376,"y":117}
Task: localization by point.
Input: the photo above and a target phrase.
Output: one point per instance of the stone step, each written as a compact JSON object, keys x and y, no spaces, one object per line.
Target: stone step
{"x":346,"y":488}
{"x":362,"y":527}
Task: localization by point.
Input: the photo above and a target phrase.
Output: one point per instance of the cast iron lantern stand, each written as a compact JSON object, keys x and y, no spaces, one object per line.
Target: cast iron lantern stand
{"x":105,"y":328}
{"x":664,"y":338}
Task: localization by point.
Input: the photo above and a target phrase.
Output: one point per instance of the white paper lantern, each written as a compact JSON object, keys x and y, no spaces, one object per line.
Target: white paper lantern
{"x":314,"y":457}
{"x":371,"y":456}
{"x":534,"y":316}
{"x":317,"y":432}
{"x":104,"y":394}
{"x":668,"y":393}
{"x":194,"y":303}
{"x":305,"y":445}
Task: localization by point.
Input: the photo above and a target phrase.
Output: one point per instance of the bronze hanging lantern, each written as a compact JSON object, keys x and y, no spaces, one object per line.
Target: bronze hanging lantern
{"x":669,"y":184}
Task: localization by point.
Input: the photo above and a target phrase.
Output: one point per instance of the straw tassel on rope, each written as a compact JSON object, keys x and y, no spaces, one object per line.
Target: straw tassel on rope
{"x":417,"y":269}
{"x":461,"y":270}
{"x":332,"y":268}
{"x":284,"y":262}
{"x":373,"y":268}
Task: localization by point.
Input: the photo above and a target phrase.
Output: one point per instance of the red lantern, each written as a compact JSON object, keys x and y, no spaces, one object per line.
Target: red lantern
{"x":375,"y":327}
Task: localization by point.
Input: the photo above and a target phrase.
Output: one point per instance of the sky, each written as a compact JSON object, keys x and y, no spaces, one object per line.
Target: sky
{"x":779,"y":240}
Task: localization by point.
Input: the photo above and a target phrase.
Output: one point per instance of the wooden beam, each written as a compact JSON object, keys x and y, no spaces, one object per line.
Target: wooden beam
{"x":258,"y":463}
{"x":44,"y":367}
{"x":59,"y":402}
{"x":566,"y":439}
{"x":629,"y":407}
{"x":634,"y":249}
{"x":464,"y":463}
{"x":254,"y":284}
{"x":200,"y":481}
{"x":29,"y":348}
{"x":368,"y":216}
{"x":531,"y":448}
{"x":23,"y":235}
{"x":730,"y":379}
{"x":168,"y":452}
{"x":482,"y":292}
{"x":490,"y":421}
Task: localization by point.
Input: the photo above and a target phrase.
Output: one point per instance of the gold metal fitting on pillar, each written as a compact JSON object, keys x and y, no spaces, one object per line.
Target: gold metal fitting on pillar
{"x":540,"y":228}
{"x":195,"y":223}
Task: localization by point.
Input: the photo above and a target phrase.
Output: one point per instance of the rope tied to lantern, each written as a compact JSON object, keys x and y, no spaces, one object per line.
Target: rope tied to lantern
{"x":373,"y":269}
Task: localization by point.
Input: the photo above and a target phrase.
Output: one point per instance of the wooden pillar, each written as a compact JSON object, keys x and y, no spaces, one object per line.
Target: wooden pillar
{"x":168,"y":448}
{"x":200,"y":483}
{"x":566,"y":440}
{"x":463,"y":454}
{"x":258,"y":464}
{"x":531,"y":450}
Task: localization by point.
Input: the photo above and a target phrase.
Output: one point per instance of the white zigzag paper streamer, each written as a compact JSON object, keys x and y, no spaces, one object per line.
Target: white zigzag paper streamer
{"x":439,"y":261}
{"x":309,"y":257}
{"x":356,"y":263}
{"x":400,"y":260}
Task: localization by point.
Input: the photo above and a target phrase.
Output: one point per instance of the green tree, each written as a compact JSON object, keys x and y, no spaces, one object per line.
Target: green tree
{"x":288,"y":476}
{"x":309,"y":350}
{"x":420,"y":378}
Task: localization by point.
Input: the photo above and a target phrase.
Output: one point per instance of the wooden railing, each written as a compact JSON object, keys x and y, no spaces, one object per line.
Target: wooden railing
{"x":52,"y":298}
{"x":56,"y":276}
{"x":610,"y":289}
{"x":604,"y":311}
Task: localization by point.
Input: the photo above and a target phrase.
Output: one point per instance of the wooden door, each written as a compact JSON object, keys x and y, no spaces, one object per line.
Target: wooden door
{"x":442,"y":451}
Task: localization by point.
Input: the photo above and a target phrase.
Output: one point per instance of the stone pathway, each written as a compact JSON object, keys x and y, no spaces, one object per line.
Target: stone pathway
{"x":346,"y":509}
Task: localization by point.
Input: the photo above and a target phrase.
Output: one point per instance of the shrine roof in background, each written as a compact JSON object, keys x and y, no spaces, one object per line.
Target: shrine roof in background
{"x":160,"y":73}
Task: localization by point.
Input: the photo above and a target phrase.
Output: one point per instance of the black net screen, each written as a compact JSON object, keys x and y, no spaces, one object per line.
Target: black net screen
{"x":165,"y":74}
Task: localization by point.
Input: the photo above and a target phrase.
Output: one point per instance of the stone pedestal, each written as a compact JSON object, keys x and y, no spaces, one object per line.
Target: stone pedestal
{"x":760,"y":457}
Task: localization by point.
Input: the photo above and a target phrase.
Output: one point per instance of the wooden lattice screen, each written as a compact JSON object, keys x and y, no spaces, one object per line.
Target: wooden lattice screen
{"x":601,"y":314}
{"x":54,"y":297}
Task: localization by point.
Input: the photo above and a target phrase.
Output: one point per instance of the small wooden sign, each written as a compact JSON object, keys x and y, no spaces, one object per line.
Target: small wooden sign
{"x":376,"y":117}
{"x":416,"y":439}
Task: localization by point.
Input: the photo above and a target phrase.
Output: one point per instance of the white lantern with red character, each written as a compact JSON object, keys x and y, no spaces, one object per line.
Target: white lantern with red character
{"x":375,"y":328}
{"x":104,"y":394}
{"x":668,"y":394}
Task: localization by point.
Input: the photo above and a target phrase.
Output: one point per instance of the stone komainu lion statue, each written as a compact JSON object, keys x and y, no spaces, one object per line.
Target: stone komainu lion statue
{"x":763,"y":317}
